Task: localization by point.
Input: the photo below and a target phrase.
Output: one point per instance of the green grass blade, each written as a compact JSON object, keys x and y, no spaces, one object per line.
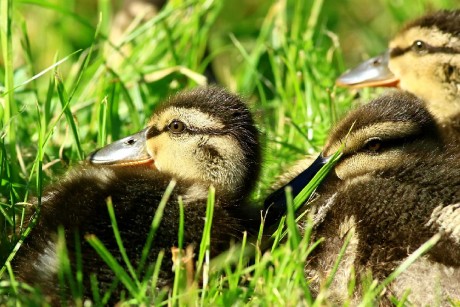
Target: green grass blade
{"x":87,"y":60}
{"x":202,"y":266}
{"x":293,"y":232}
{"x":342,"y":252}
{"x":43,"y":72}
{"x":156,"y":270}
{"x":370,"y":296}
{"x":121,"y":247}
{"x":18,"y":244}
{"x":10,"y":108}
{"x":306,"y":192}
{"x":60,"y":9}
{"x":178,"y":262}
{"x":155,"y":224}
{"x":206,"y":238}
{"x":102,"y":121}
{"x":12,"y":279}
{"x":121,"y":274}
{"x":67,"y":283}
{"x":78,"y":268}
{"x":65,"y":103}
{"x":155,"y":20}
{"x":95,"y":290}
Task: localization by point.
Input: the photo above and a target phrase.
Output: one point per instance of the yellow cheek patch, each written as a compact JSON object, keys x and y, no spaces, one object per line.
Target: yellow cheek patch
{"x":363,"y":164}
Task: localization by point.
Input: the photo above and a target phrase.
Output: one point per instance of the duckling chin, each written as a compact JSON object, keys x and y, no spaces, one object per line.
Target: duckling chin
{"x":209,"y":135}
{"x":424,"y":59}
{"x":395,"y":187}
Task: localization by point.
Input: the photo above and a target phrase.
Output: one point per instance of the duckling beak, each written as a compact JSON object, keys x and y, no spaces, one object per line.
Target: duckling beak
{"x":130,"y":150}
{"x":371,"y":73}
{"x":276,"y":202}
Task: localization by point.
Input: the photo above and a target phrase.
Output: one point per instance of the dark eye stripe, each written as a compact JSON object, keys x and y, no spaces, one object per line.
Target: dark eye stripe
{"x":395,"y":52}
{"x":385,"y":144}
{"x":153,"y":131}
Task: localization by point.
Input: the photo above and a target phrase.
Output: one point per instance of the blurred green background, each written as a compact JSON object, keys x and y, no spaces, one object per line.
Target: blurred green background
{"x":361,"y":27}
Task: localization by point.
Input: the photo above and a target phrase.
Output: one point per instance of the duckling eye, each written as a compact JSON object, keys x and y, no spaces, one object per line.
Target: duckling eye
{"x":373,"y":145}
{"x":419,"y":46}
{"x":176,"y":126}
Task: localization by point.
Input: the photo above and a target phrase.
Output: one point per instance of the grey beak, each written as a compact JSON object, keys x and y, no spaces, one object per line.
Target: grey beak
{"x":371,"y":73}
{"x":130,"y":150}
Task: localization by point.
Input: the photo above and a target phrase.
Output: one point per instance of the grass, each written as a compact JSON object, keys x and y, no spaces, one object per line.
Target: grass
{"x":66,"y":89}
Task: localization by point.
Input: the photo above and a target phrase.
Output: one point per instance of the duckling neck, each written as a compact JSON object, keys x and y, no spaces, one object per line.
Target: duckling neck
{"x":444,"y":101}
{"x":197,"y":190}
{"x":446,"y":109}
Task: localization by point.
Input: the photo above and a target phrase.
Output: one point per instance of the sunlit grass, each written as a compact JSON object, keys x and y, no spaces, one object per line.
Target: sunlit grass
{"x":60,"y":101}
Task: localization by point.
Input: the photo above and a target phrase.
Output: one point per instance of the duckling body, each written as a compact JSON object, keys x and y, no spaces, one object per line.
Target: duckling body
{"x":391,"y":214}
{"x":395,"y":187}
{"x":424,"y":59}
{"x":211,"y":139}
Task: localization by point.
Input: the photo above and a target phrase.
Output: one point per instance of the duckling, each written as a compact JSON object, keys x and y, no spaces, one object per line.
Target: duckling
{"x":424,"y":59}
{"x":395,"y":186}
{"x":200,"y":138}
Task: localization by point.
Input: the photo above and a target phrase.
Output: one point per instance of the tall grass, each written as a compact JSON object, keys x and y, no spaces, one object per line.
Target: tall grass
{"x":66,"y":89}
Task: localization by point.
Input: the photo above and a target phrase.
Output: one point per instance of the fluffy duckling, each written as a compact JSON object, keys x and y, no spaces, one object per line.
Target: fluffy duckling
{"x":201,"y":138}
{"x":395,"y":186}
{"x":424,"y":59}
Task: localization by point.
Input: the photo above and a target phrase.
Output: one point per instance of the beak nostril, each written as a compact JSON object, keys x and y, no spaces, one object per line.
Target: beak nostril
{"x":130,"y":142}
{"x":377,"y":62}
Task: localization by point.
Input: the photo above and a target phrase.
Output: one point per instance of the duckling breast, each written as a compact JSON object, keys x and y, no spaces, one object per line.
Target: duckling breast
{"x":388,"y":216}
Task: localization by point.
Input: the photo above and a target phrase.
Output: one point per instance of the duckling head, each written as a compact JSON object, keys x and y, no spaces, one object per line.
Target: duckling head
{"x":424,"y":59}
{"x":389,"y":131}
{"x":206,"y":136}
